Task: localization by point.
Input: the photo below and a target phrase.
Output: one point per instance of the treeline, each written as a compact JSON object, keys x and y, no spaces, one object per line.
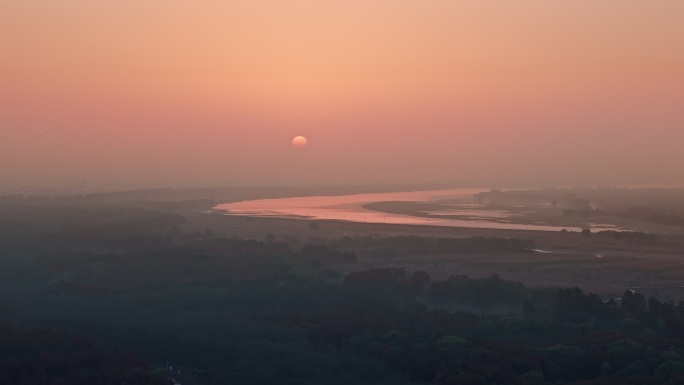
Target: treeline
{"x":477,"y":292}
{"x":203,"y":257}
{"x":62,"y":226}
{"x":284,"y":312}
{"x":379,"y":326}
{"x":456,"y":290}
{"x":629,"y":236}
{"x":451,"y":245}
{"x":570,"y":338}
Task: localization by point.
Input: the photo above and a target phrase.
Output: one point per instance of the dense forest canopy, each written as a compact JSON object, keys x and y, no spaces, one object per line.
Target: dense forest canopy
{"x":118,"y":282}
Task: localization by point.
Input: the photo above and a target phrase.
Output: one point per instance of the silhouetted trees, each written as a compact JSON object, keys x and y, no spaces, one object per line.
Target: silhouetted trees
{"x":49,"y":357}
{"x":242,"y":311}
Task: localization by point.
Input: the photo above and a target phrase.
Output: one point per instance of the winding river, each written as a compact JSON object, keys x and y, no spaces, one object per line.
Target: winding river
{"x":351,"y":208}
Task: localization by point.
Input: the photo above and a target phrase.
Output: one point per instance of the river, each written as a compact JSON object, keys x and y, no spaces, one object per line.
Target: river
{"x":350,"y":208}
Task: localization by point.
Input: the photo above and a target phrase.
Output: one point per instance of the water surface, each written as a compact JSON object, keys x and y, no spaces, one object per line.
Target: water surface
{"x":350,"y":208}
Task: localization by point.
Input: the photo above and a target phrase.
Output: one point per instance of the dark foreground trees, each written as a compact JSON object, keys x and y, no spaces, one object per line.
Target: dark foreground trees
{"x":235,"y":311}
{"x":49,"y":357}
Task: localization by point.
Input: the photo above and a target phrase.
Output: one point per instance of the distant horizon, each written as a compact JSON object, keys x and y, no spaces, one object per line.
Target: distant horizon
{"x":75,"y":189}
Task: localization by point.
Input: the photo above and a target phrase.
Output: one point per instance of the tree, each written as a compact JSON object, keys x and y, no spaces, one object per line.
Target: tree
{"x":634,"y":303}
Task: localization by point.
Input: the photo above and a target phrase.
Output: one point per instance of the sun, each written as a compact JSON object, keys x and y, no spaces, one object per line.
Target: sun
{"x":299,"y":142}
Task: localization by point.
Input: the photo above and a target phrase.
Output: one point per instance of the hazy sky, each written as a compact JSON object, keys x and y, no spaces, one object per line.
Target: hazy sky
{"x":211,"y":92}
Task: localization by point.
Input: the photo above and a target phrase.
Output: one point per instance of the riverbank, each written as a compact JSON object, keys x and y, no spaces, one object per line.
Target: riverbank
{"x":603,"y":265}
{"x":534,"y":210}
{"x":447,"y":208}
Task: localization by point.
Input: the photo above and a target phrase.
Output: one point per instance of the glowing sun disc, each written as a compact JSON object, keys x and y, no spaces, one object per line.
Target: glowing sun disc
{"x":299,"y":142}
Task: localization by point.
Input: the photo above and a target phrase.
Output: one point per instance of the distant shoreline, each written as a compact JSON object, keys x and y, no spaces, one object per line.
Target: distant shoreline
{"x":527,"y":210}
{"x":363,"y":208}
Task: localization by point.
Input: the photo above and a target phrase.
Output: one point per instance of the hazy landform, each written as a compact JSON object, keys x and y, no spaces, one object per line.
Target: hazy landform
{"x":157,"y":286}
{"x":571,"y":209}
{"x":649,"y":210}
{"x":458,"y":253}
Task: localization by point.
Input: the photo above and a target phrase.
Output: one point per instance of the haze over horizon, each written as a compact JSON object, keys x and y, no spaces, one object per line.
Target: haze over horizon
{"x":212,"y":92}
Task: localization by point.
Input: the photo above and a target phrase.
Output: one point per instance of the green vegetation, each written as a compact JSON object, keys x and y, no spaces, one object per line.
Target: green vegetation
{"x":235,"y":311}
{"x":48,"y":357}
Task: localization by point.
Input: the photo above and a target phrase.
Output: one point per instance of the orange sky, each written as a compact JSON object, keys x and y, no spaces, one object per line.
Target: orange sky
{"x":211,"y":92}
